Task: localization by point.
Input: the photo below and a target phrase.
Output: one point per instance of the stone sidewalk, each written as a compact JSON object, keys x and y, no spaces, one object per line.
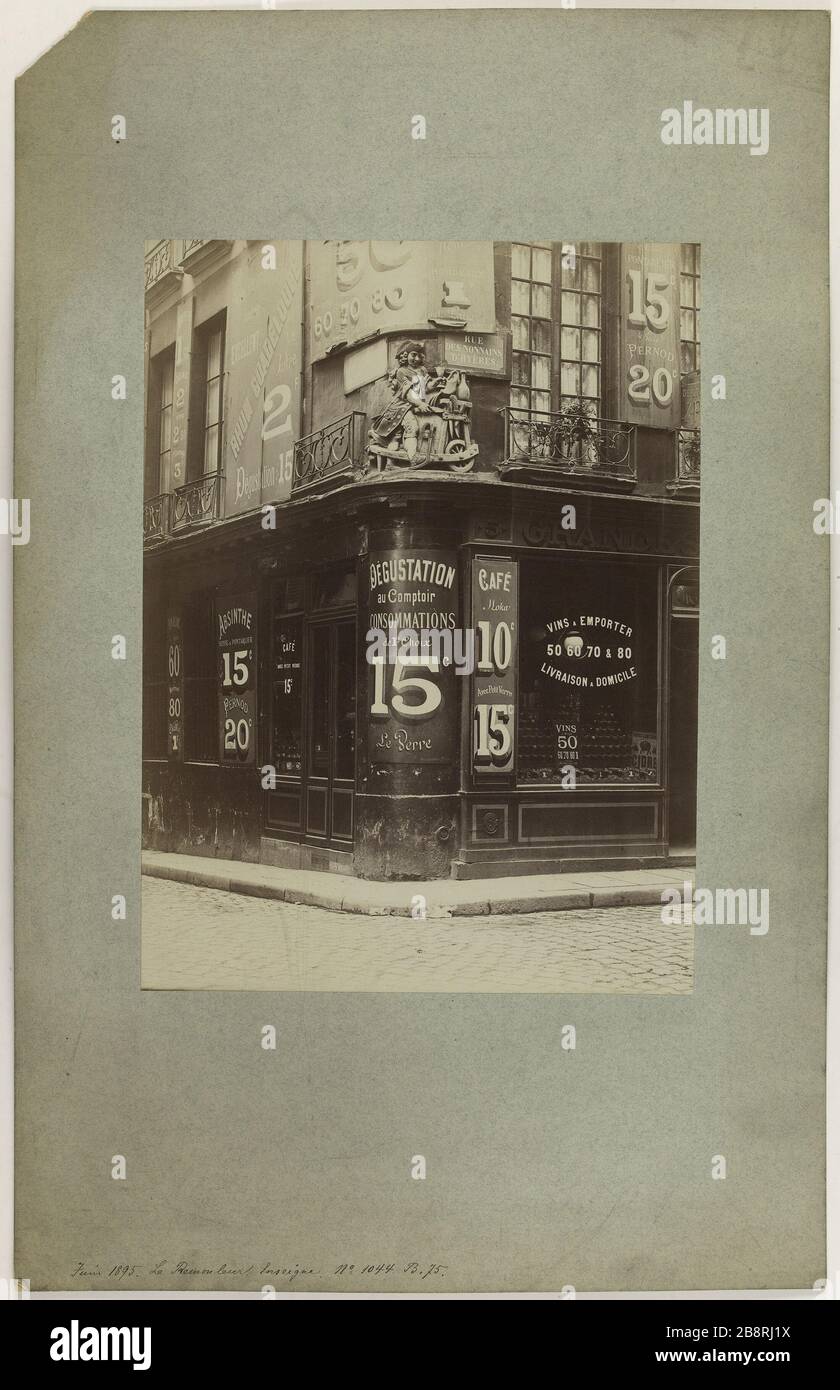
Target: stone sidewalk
{"x":444,"y":898}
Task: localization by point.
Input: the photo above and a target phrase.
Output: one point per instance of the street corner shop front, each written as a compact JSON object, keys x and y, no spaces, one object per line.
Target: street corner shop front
{"x":571,"y":742}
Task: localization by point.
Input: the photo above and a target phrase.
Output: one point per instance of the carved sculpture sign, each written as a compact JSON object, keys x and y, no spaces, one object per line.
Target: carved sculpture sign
{"x":427,"y":422}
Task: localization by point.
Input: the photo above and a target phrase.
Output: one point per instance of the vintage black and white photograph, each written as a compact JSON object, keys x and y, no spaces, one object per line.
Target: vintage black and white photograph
{"x":421,"y":881}
{"x":421,"y":594}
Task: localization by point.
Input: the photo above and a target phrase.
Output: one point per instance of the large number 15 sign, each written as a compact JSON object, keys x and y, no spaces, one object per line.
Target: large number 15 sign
{"x":654,"y":306}
{"x":426,"y":694}
{"x":652,"y":310}
{"x":236,"y":624}
{"x":650,"y":334}
{"x":412,"y":709}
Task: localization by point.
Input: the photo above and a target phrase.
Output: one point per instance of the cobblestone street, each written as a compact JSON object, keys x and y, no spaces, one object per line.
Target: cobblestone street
{"x":203,"y":938}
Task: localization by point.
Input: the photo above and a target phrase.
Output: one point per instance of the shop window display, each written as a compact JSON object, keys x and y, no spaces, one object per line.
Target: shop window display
{"x":588,"y":673}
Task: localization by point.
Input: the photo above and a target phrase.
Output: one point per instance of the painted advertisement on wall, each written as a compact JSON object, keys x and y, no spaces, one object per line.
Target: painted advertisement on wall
{"x":358,"y":288}
{"x":175,"y":686}
{"x":649,"y":387}
{"x":236,"y":628}
{"x":412,"y":695}
{"x":494,"y":605}
{"x":263,"y":368}
{"x":287,"y":694}
{"x":177,"y":472}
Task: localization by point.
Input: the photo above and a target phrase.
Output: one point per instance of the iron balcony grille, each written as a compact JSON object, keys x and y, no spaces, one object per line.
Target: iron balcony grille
{"x":570,"y":442}
{"x":191,"y":245}
{"x":687,"y":460}
{"x":161,"y":269}
{"x":334,"y":451}
{"x":197,"y":503}
{"x":156,"y":518}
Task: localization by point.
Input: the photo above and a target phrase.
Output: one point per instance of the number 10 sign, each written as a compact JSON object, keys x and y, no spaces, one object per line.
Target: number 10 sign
{"x":494,"y":680}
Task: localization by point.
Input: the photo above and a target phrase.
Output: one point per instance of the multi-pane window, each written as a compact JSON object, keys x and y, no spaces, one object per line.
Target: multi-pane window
{"x":556,"y":286}
{"x":207,"y":398}
{"x":531,"y":314}
{"x":690,"y":308}
{"x":580,"y":326}
{"x":165,"y":374}
{"x":159,"y":422}
{"x":213,"y":398}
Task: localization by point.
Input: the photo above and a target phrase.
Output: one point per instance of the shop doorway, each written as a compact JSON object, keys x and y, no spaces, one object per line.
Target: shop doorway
{"x":682,"y":756}
{"x":331,"y":732}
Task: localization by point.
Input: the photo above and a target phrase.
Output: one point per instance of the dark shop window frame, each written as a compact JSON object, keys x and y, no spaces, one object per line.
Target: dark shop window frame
{"x":588,"y":787}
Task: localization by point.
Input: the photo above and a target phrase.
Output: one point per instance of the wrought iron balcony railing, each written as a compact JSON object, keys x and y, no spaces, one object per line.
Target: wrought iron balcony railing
{"x":191,"y":246}
{"x":156,"y":518}
{"x":687,"y":461}
{"x":569,"y":442}
{"x":197,"y":503}
{"x":162,"y":271}
{"x":331,"y":452}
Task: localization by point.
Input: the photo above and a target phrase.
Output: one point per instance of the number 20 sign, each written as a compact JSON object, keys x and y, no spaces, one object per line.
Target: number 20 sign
{"x":650,"y":320}
{"x":236,"y":621}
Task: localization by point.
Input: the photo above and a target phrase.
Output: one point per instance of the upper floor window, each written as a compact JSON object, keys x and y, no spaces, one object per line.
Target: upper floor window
{"x":580,"y":326}
{"x":556,"y":322}
{"x":208,"y":388}
{"x":159,"y":424}
{"x":689,"y":308}
{"x":532,"y":303}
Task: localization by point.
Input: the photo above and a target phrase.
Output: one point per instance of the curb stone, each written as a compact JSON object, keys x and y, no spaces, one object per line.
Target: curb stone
{"x":563,"y":900}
